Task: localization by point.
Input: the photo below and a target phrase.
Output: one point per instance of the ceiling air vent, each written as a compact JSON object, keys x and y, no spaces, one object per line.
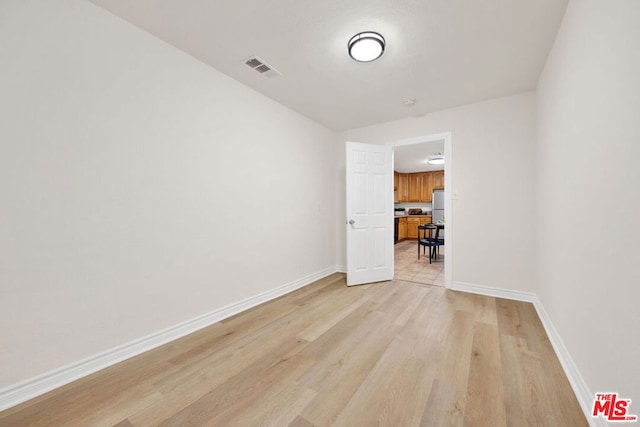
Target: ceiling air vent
{"x":261,"y":67}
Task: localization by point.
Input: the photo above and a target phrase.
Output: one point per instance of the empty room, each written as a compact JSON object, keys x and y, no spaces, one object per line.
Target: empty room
{"x":248,"y":213}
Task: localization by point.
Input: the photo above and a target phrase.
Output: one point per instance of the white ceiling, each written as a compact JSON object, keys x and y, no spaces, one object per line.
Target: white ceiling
{"x":412,"y":158}
{"x":443,"y":53}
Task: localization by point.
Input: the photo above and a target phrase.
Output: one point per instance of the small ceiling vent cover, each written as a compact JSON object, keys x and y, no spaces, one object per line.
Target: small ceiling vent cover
{"x":261,"y":67}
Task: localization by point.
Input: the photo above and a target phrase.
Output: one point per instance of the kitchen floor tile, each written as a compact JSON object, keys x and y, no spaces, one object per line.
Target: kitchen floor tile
{"x":409,"y":268}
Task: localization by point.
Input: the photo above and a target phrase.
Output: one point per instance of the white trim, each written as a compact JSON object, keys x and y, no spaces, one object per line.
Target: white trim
{"x":341,"y":269}
{"x":448,"y":199}
{"x":493,"y":292}
{"x":420,"y":139}
{"x":33,"y":387}
{"x":448,"y":208}
{"x":578,"y":384}
{"x":21,"y":392}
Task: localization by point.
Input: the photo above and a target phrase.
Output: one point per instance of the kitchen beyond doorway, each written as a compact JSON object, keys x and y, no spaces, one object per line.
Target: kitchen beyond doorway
{"x":410,"y":269}
{"x":416,"y":150}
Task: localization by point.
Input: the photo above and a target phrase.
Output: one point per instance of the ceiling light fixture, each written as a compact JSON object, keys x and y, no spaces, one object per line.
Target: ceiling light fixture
{"x":366,"y":47}
{"x":436,"y":159}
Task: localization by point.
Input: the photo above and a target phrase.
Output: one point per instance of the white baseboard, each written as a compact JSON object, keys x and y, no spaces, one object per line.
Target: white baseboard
{"x":21,"y":392}
{"x":493,"y":292}
{"x":25,"y":390}
{"x":578,"y":384}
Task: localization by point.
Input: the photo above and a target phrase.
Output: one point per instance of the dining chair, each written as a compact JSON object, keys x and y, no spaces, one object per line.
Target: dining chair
{"x":440,"y":239}
{"x":428,"y":237}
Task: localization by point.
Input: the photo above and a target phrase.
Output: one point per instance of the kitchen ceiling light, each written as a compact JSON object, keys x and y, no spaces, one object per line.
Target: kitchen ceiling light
{"x":436,"y":159}
{"x":366,"y":47}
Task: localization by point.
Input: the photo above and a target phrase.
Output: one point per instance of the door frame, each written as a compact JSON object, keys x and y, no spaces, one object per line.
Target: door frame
{"x":450,"y":194}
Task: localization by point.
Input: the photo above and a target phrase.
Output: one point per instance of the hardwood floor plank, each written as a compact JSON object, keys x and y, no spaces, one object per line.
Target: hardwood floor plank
{"x":485,"y":309}
{"x":532,"y":330}
{"x":338,"y":376}
{"x":526,"y":411}
{"x":102,"y":391}
{"x":393,"y":393}
{"x":325,"y":287}
{"x":322,"y":325}
{"x":224,"y":365}
{"x":453,"y":374}
{"x":351,"y":329}
{"x":220,"y":405}
{"x":441,"y":408}
{"x":393,"y":353}
{"x":230,"y":356}
{"x":300,"y":421}
{"x":411,"y":306}
{"x":528,"y":373}
{"x":354,"y":300}
{"x":485,"y":396}
{"x":465,"y":302}
{"x":284,"y":413}
{"x":508,"y":320}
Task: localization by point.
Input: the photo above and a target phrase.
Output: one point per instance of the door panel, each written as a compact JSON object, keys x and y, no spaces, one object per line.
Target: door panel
{"x":369,"y":213}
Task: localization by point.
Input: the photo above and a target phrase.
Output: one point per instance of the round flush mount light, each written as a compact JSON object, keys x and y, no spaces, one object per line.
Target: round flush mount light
{"x":436,"y":159}
{"x":366,"y":47}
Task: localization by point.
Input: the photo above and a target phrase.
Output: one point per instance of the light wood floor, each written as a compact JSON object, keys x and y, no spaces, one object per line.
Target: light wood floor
{"x":394,"y":353}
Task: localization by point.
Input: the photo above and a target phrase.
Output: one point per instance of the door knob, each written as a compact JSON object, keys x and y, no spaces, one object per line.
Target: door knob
{"x":351,"y":222}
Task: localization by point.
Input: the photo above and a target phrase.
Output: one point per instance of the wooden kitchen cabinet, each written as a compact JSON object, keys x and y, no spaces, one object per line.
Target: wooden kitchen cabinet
{"x":426,"y":179}
{"x":403,"y":188}
{"x":412,"y":228}
{"x":413,"y":223}
{"x":415,"y":187}
{"x":396,"y":193}
{"x":402,"y":229}
{"x":437,"y":179}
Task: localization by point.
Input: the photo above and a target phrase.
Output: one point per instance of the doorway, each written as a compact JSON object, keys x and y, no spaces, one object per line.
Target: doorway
{"x":417,"y":180}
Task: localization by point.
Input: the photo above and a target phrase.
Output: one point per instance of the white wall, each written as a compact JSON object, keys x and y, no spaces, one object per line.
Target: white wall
{"x":120,"y":158}
{"x":589,"y":198}
{"x":493,"y":174}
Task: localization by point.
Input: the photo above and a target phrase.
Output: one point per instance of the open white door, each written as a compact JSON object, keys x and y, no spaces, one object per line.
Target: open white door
{"x":369,"y":214}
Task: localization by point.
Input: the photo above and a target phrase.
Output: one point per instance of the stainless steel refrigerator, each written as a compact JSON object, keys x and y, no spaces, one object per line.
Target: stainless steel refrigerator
{"x":437,"y":199}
